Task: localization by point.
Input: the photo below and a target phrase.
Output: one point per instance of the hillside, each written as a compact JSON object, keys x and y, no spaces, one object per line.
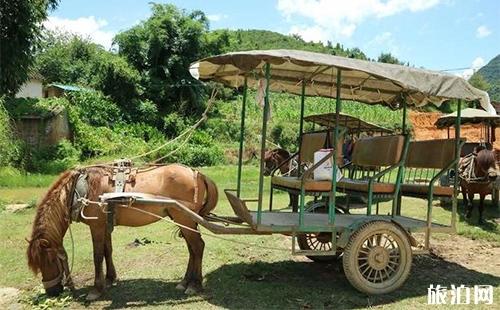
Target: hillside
{"x":243,"y":40}
{"x":491,"y":73}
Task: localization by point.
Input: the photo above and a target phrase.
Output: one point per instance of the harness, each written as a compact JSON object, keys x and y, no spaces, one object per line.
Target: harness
{"x":64,"y":274}
{"x":467,"y":171}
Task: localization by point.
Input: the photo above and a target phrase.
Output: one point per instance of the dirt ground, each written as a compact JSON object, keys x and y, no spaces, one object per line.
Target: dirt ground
{"x":424,"y":129}
{"x":477,"y":255}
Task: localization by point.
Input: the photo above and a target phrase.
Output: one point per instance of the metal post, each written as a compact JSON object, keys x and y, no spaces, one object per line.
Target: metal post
{"x":404,"y":116}
{"x":331,"y":204}
{"x":242,"y":136}
{"x":457,"y":155}
{"x":301,"y":128}
{"x":263,"y":144}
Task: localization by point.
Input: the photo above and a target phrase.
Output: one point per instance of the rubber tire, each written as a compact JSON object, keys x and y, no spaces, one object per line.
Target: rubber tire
{"x":350,"y":259}
{"x":302,"y":239}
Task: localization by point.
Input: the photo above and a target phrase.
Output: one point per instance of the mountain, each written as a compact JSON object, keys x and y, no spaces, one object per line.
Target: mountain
{"x":491,"y":73}
{"x":244,"y":40}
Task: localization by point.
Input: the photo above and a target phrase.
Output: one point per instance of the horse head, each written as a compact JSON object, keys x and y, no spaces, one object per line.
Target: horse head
{"x":51,"y":261}
{"x":486,"y":165}
{"x":273,"y":159}
{"x":46,"y":254}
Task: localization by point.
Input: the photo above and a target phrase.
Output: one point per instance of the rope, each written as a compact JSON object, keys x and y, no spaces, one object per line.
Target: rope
{"x":206,"y":233}
{"x":72,"y":250}
{"x":189,"y":132}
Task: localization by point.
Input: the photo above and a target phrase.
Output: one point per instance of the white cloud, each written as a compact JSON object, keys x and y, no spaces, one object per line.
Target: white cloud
{"x":482,"y":31}
{"x":477,"y":63}
{"x":340,"y":18}
{"x":384,"y":42}
{"x":216,"y":17}
{"x":314,"y":33}
{"x":87,"y":27}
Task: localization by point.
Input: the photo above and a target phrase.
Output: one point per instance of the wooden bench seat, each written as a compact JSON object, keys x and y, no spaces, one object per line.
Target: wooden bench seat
{"x":361,"y":186}
{"x":434,"y":157}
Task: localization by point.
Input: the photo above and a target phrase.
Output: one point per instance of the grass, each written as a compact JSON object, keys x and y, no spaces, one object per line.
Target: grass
{"x":237,"y":274}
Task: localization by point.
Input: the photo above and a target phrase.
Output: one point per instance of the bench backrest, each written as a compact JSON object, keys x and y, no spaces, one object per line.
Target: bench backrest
{"x":378,"y":151}
{"x":314,"y":141}
{"x":435,"y":154}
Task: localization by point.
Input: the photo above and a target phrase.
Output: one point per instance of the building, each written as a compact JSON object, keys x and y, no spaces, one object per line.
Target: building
{"x":32,"y":88}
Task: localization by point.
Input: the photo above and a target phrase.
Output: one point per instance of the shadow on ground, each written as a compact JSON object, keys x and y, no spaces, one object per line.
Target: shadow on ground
{"x":290,"y":284}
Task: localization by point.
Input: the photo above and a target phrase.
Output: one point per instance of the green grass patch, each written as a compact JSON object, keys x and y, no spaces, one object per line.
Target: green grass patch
{"x":238,"y":274}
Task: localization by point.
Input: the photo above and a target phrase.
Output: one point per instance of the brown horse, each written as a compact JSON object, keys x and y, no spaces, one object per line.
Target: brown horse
{"x":484,"y":172}
{"x":46,"y":253}
{"x":273,"y":159}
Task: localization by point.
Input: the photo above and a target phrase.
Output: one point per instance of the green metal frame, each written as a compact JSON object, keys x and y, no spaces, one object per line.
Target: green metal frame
{"x":263,"y":143}
{"x":242,"y":137}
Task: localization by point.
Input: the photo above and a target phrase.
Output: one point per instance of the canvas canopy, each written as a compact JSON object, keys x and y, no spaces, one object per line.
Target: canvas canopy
{"x":468,"y":116}
{"x":365,"y":81}
{"x":353,"y":124}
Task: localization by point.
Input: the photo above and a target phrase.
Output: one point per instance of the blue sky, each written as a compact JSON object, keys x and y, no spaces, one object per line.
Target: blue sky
{"x":435,"y":34}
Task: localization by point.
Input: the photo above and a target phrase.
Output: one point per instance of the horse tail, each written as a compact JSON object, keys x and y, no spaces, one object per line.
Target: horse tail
{"x":212,"y":196}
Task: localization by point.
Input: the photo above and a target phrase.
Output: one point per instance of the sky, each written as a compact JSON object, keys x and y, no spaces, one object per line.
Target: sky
{"x":455,"y":35}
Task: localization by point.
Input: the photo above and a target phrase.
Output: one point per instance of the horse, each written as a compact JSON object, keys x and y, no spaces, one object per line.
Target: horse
{"x":47,"y":255}
{"x":273,"y":159}
{"x":476,"y":172}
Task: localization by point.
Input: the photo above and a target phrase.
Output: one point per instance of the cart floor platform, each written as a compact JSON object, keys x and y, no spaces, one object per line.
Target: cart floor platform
{"x":288,"y":221}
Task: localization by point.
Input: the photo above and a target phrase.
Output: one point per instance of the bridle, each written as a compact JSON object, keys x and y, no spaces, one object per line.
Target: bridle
{"x":64,"y":274}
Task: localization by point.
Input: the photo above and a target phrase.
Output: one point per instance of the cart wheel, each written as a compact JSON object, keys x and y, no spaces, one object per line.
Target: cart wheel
{"x":377,"y":259}
{"x":321,"y":241}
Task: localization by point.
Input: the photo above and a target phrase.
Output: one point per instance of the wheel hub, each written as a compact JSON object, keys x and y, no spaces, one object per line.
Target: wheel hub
{"x":378,"y":258}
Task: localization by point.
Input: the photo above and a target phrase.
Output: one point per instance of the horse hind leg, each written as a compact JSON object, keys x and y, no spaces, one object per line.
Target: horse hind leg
{"x":194,"y":276}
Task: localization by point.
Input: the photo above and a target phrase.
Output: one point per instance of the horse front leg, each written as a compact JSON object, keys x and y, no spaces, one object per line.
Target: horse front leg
{"x":481,"y":208}
{"x":469,"y":205}
{"x":108,"y":255}
{"x":98,"y":242}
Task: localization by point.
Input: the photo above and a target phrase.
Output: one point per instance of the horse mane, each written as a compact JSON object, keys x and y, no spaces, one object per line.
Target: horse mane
{"x":51,"y":219}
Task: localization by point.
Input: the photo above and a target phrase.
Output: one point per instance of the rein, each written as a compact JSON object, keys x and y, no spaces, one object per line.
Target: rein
{"x":64,"y":273}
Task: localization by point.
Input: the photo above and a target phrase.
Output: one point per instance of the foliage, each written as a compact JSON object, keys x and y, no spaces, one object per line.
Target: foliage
{"x":478,"y":81}
{"x":19,"y":107}
{"x":389,"y":59}
{"x":9,"y":148}
{"x":244,"y":40}
{"x":70,"y":59}
{"x":161,"y":49}
{"x":20,"y":34}
{"x":94,"y":108}
{"x":491,"y":74}
{"x":55,"y":158}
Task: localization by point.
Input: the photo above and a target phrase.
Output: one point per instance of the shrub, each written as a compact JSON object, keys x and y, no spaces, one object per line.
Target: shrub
{"x":146,"y":112}
{"x":9,"y":148}
{"x":284,"y":136}
{"x":94,"y":108}
{"x":174,"y":124}
{"x":54,"y":159}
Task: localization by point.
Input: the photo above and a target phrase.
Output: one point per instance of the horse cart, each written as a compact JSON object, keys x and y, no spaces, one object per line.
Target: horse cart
{"x":487,"y":124}
{"x":376,"y":249}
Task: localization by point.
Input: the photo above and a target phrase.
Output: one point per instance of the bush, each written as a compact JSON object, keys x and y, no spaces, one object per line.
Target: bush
{"x":94,"y":108}
{"x":146,"y":112}
{"x":284,"y":136}
{"x":54,"y":159}
{"x":9,"y":148}
{"x":174,"y":124}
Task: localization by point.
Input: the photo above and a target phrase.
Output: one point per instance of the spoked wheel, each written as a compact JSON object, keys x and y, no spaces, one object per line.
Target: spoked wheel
{"x":321,"y":241}
{"x":377,"y":259}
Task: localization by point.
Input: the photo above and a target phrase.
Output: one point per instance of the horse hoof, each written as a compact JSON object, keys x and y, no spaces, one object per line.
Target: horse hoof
{"x":192,"y":290}
{"x":93,"y":295}
{"x":110,"y":282}
{"x":180,"y":287}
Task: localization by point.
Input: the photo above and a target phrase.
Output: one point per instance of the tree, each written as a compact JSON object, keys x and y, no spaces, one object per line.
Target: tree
{"x":478,"y":81}
{"x":20,"y":34}
{"x":161,"y":48}
{"x":69,"y":59}
{"x":388,"y":58}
